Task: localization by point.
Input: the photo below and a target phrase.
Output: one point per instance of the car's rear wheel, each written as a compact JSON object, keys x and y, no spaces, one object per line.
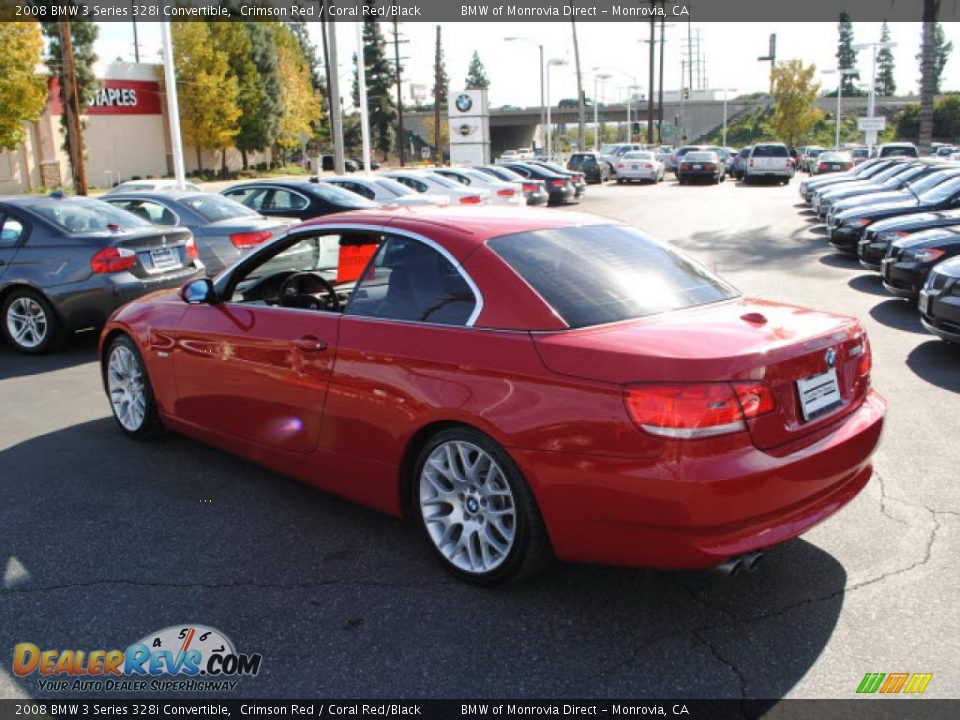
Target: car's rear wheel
{"x":30,"y":324}
{"x":128,"y":387}
{"x":476,"y":509}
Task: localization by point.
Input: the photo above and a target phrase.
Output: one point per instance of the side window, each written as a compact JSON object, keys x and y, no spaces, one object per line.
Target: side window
{"x":286,"y":200}
{"x":456,"y":177}
{"x":11,"y":230}
{"x":361,"y":190}
{"x":409,"y":280}
{"x":252,"y":197}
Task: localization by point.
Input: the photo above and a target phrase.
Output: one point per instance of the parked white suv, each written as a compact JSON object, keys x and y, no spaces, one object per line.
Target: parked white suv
{"x":769,"y":160}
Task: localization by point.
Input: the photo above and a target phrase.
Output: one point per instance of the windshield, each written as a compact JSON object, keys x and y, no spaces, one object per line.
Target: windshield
{"x":440,"y":180}
{"x":834,"y":157}
{"x":770,"y":151}
{"x":901,"y":179}
{"x":394,"y":187}
{"x":700,"y":157}
{"x":339,"y":196}
{"x":606,"y":273}
{"x":76,"y":215}
{"x":941,"y":192}
{"x":217,"y":207}
{"x":931,"y":181}
{"x":638,"y":156}
{"x":889,"y":172}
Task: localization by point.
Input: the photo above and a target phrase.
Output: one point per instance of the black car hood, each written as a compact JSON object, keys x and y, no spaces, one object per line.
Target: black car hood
{"x":930,"y":238}
{"x":883,"y":210}
{"x":919,"y":220}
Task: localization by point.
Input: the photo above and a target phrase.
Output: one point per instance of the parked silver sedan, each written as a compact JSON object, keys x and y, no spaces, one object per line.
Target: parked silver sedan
{"x":641,"y":165}
{"x":384,"y":190}
{"x":224,"y":229}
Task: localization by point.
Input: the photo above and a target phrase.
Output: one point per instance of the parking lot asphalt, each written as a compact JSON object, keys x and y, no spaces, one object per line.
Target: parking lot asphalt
{"x":104,"y":540}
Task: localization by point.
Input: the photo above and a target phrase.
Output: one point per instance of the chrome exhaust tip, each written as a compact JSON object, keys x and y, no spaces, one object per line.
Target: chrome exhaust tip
{"x":730,"y":567}
{"x":748,"y":562}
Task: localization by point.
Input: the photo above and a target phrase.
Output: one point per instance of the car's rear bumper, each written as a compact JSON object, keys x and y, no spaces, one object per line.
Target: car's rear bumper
{"x":624,"y":174}
{"x":90,"y":303}
{"x":686,"y":511}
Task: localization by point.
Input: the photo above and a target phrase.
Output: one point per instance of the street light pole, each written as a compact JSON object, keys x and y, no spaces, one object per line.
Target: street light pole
{"x":550,"y":63}
{"x":543,"y":102}
{"x":596,"y":108}
{"x":871,"y":135}
{"x":362,"y":92}
{"x":173,"y":107}
{"x":841,"y":73}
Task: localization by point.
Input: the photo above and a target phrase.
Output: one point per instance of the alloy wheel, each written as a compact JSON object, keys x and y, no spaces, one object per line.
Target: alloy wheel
{"x":468,"y":507}
{"x":27,"y":322}
{"x":125,"y":385}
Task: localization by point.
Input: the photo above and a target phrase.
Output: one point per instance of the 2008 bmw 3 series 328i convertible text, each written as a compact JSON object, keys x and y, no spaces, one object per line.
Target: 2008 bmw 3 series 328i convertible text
{"x":523,"y":384}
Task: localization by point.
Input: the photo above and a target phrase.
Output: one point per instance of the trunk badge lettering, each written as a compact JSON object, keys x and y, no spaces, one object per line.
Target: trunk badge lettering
{"x":830,"y":357}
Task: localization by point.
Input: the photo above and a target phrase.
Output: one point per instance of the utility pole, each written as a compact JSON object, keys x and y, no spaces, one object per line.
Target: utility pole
{"x":660,"y":86}
{"x":71,"y":109}
{"x":653,"y":28}
{"x":581,"y":110}
{"x":173,"y":106}
{"x":401,"y":135}
{"x":336,"y":116}
{"x":772,"y":57}
{"x":437,"y":135}
{"x":362,"y":97}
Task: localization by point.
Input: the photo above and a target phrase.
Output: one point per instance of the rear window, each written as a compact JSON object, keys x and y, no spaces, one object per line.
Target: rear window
{"x":700,"y":157}
{"x":216,"y":207}
{"x":606,"y":273}
{"x":901,"y":151}
{"x":770,"y":151}
{"x":82,"y":216}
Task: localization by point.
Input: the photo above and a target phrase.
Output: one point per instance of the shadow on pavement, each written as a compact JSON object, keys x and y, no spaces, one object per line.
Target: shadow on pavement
{"x":820,"y":230}
{"x":113,"y":539}
{"x":869,"y":284}
{"x":79,"y":349}
{"x":898,"y":313}
{"x":936,"y":362}
{"x":840,"y":259}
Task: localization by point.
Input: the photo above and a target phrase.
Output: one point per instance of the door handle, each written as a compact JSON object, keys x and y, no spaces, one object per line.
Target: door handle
{"x":309,"y":343}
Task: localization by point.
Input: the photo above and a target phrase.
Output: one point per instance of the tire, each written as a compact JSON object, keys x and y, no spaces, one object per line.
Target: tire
{"x":129,"y":390}
{"x":619,"y":181}
{"x":448,"y":508}
{"x":29,"y":322}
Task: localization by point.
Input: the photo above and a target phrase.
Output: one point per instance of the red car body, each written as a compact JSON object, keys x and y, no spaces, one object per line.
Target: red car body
{"x":347,"y":410}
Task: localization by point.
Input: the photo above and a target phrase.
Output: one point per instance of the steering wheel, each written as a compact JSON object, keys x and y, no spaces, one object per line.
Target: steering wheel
{"x":300,"y":290}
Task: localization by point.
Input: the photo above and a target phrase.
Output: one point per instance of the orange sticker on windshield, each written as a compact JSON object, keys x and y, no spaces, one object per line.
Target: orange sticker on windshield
{"x":352,"y":260}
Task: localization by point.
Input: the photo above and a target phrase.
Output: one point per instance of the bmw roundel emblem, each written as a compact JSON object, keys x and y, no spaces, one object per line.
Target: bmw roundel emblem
{"x":831,"y":357}
{"x":464,"y":102}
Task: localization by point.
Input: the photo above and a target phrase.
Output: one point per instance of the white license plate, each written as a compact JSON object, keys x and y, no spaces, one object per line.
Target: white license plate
{"x":634,"y":167}
{"x":164,"y":258}
{"x":818,"y":393}
{"x":698,"y":167}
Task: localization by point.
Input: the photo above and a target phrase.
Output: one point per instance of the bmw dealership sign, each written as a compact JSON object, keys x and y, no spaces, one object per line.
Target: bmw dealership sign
{"x":469,"y":128}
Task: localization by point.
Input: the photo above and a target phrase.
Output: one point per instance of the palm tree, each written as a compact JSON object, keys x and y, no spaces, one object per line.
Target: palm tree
{"x":928,"y":73}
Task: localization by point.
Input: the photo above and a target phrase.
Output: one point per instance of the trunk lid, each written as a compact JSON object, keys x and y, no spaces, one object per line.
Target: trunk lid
{"x":159,"y":250}
{"x":744,"y":339}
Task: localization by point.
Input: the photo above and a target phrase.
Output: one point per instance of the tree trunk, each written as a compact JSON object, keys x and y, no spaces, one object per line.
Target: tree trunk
{"x":199,"y":160}
{"x":581,"y":112}
{"x":223,"y":162}
{"x":928,"y":74}
{"x":246,"y":160}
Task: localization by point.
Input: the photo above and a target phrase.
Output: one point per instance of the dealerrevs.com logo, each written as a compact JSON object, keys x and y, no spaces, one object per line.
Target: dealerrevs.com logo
{"x":190,"y":658}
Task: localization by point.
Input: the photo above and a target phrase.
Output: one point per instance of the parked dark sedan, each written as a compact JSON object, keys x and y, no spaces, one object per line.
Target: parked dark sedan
{"x":300,"y":199}
{"x":534,"y":191}
{"x":910,"y":259}
{"x":578,"y":179}
{"x":590,"y":164}
{"x":701,"y":165}
{"x":809,"y":187}
{"x":939,"y":302}
{"x":849,"y":226}
{"x":66,"y":263}
{"x":224,"y":229}
{"x":878,"y":236}
{"x":559,"y":187}
{"x":907,"y":185}
{"x":740,"y":162}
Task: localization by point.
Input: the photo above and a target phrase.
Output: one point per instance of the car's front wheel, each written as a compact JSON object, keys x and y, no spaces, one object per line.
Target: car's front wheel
{"x":476,"y":509}
{"x":128,"y":386}
{"x":30,"y":324}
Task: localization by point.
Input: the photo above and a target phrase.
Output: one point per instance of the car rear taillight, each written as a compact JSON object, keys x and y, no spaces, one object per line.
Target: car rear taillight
{"x":821,"y":167}
{"x":697,"y":410}
{"x":113,"y":259}
{"x":684,"y":166}
{"x":191,"y":247}
{"x":471,"y":200}
{"x":710,"y":166}
{"x":558,"y":183}
{"x":506,"y":192}
{"x":866,"y":358}
{"x":249,"y":239}
{"x":620,"y":165}
{"x":530,"y":187}
{"x":750,"y":164}
{"x":648,"y":166}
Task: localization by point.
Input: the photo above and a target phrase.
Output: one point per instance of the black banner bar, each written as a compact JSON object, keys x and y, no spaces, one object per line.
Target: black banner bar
{"x":472,"y":10}
{"x":874,"y":708}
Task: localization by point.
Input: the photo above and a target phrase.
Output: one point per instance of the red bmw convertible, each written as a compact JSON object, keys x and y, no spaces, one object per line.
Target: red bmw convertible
{"x":524,"y":384}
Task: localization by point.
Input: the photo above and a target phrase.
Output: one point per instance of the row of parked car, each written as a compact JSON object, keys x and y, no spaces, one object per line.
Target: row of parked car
{"x":67,"y":262}
{"x":901,"y":217}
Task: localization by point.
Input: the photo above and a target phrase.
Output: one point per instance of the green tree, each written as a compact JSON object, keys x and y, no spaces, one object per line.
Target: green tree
{"x":233,"y":40}
{"x":477,"y":74}
{"x":24,"y":92}
{"x":260,"y":101}
{"x":886,"y":84}
{"x":207,"y":91}
{"x":83,"y":35}
{"x":846,"y":55}
{"x":942,"y":50}
{"x":381,"y":78}
{"x":441,"y":82}
{"x":321,"y":130}
{"x":795,"y":96}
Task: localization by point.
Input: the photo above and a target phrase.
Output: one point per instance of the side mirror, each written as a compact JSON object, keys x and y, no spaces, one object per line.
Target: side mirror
{"x":197,"y":292}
